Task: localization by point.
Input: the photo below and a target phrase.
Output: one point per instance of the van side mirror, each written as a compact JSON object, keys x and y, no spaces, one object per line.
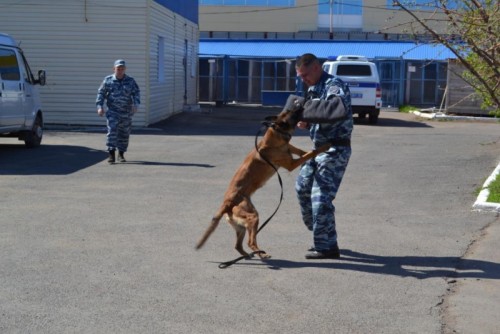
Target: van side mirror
{"x":42,"y":78}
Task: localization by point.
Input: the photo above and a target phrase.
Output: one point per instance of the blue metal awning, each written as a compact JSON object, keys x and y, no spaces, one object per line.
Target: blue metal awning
{"x":290,"y":49}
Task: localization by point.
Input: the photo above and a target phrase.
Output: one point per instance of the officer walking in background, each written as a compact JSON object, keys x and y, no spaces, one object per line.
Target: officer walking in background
{"x":122,"y":96}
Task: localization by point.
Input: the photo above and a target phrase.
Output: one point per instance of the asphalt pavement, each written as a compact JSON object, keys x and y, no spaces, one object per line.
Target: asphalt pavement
{"x":89,"y":247}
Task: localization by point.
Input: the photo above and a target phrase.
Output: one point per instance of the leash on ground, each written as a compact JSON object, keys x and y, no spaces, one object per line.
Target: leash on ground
{"x":226,"y":264}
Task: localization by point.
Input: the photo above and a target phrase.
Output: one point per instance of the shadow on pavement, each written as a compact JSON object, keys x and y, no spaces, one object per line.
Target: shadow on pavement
{"x":61,"y":160}
{"x":420,"y":267}
{"x":47,"y":159}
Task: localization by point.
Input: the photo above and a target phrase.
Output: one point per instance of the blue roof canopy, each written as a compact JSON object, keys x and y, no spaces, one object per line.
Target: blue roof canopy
{"x":322,"y":49}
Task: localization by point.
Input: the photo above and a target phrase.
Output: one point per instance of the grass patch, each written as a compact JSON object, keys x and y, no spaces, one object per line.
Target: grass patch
{"x":408,"y":108}
{"x":494,"y":188}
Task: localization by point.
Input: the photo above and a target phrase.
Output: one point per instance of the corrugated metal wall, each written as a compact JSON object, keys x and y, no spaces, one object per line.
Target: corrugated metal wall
{"x":76,"y":42}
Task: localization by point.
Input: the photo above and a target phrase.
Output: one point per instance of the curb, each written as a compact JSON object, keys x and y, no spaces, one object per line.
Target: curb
{"x":440,"y":115}
{"x":481,"y":203}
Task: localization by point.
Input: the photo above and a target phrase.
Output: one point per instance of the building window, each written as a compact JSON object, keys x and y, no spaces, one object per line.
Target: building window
{"x":261,"y":3}
{"x":340,"y":15}
{"x":345,"y":7}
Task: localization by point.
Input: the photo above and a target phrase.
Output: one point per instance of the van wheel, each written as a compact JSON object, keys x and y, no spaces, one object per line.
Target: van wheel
{"x":33,"y":138}
{"x":361,"y":115}
{"x":373,"y":118}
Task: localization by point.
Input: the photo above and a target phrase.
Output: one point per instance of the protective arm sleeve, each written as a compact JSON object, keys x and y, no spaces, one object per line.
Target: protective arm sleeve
{"x":324,"y":111}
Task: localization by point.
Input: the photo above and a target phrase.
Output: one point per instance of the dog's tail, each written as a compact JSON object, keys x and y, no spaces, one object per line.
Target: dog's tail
{"x":211,"y":228}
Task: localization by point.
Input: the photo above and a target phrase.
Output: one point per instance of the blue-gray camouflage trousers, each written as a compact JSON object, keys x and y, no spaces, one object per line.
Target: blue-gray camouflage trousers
{"x":317,"y":185}
{"x":119,"y":127}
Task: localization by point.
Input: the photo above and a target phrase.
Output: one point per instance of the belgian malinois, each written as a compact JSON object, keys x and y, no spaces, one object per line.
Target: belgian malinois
{"x":275,"y":149}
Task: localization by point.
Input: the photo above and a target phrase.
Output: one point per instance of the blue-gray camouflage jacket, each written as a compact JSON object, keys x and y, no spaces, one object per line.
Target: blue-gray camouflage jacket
{"x":120,"y":95}
{"x":322,"y":133}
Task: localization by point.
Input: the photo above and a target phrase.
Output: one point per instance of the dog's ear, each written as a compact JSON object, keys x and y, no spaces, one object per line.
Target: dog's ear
{"x":269,"y":121}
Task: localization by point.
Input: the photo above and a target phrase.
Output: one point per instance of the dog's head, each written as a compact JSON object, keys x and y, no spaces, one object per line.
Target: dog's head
{"x":287,"y":119}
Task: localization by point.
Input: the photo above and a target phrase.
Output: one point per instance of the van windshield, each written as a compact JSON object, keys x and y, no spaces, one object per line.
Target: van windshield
{"x":354,"y":70}
{"x":9,"y":68}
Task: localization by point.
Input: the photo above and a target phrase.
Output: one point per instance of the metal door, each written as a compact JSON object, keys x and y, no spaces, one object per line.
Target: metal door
{"x":389,"y":72}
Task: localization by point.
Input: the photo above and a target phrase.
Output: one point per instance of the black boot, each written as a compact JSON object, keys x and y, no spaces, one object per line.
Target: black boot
{"x":333,"y":253}
{"x":121,"y":156}
{"x":111,"y":158}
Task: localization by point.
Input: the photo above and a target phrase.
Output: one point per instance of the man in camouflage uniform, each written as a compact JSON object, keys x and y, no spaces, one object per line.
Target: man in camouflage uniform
{"x":122,"y":96}
{"x":319,"y":178}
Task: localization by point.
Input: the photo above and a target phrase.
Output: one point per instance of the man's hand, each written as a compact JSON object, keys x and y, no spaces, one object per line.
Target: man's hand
{"x":100,"y":111}
{"x":302,"y":125}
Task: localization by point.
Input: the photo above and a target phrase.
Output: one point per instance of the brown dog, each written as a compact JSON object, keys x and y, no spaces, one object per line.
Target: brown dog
{"x":253,"y":174}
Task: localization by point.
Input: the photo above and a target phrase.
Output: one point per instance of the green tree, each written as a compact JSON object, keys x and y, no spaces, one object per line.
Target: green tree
{"x":473,"y":36}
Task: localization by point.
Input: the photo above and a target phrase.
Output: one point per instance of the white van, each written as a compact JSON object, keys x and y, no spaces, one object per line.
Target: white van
{"x":20,"y":108}
{"x":364,"y":84}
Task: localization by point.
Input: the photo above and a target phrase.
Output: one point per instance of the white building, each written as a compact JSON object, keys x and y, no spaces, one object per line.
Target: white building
{"x":77,"y":41}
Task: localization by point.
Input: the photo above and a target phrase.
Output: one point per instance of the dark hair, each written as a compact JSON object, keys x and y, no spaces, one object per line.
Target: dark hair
{"x":306,"y":60}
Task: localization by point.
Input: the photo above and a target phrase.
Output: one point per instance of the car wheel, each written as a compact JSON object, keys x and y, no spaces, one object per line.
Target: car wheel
{"x":361,"y":115}
{"x":33,"y":138}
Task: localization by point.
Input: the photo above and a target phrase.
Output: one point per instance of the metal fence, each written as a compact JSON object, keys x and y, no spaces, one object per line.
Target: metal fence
{"x":226,"y":79}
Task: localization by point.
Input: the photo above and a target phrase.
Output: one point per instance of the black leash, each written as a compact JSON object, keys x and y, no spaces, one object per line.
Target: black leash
{"x":224,"y":265}
{"x":279,"y":179}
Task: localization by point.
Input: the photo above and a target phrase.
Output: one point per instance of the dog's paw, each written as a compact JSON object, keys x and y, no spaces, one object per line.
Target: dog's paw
{"x":264,"y":255}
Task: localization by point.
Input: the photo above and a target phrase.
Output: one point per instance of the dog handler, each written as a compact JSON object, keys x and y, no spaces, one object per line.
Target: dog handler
{"x":319,"y":178}
{"x":123,"y":97}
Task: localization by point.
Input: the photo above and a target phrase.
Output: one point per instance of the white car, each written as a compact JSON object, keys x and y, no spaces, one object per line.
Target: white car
{"x":364,"y":84}
{"x":20,"y":108}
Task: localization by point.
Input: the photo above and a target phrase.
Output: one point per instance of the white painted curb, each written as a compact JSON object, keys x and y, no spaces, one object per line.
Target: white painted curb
{"x":440,"y":115}
{"x":481,"y":203}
